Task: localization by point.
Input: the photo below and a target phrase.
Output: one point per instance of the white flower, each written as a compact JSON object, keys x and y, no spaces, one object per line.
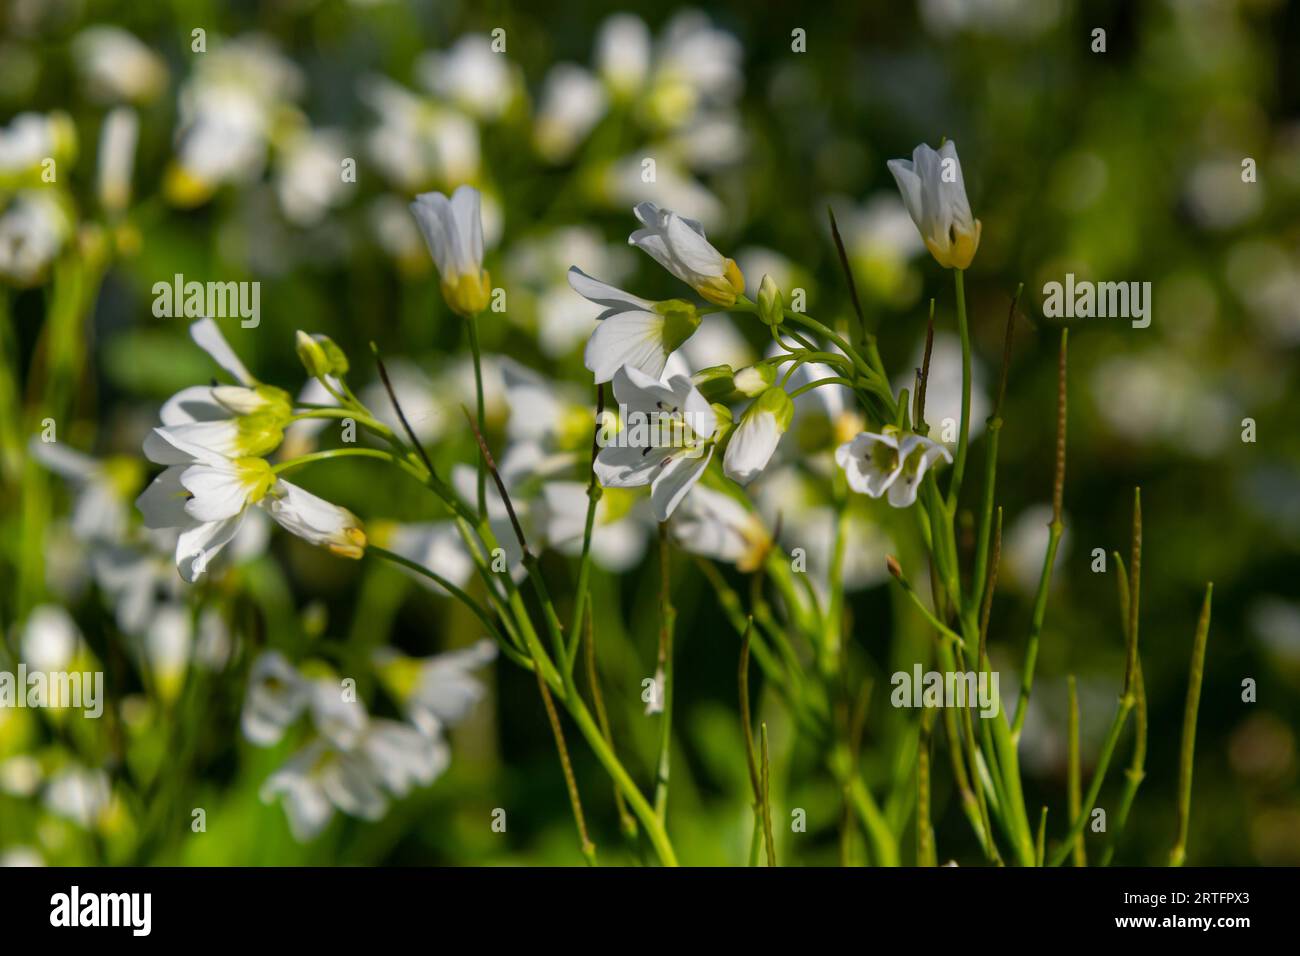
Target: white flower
{"x":117,"y":158}
{"x":417,"y":142}
{"x":618,"y":533}
{"x":277,"y":696}
{"x":889,"y":462}
{"x":623,"y":53}
{"x":573,"y":101}
{"x":436,"y":545}
{"x":388,"y":758}
{"x":316,"y":520}
{"x":632,"y":331}
{"x":267,"y":408}
{"x":117,"y":66}
{"x":437,"y":691}
{"x":453,"y":231}
{"x":666,"y":442}
{"x":935,"y":196}
{"x":679,"y":245}
{"x":755,"y":439}
{"x":30,"y":139}
{"x":716,"y":525}
{"x":309,"y":182}
{"x":167,"y":644}
{"x":99,"y":511}
{"x":471,"y":74}
{"x":33,"y":229}
{"x":78,"y":794}
{"x":50,"y":639}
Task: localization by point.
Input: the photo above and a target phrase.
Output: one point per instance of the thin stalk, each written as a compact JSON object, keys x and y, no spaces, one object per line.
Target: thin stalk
{"x":765,"y":776}
{"x":472,"y":325}
{"x":993,"y":429}
{"x":925,"y":850}
{"x":625,"y":819}
{"x":1075,"y":788}
{"x":1053,"y":542}
{"x":963,"y":435}
{"x":667,"y":622}
{"x":575,"y":800}
{"x":594,"y":493}
{"x":1188,"y":753}
{"x":1040,"y":844}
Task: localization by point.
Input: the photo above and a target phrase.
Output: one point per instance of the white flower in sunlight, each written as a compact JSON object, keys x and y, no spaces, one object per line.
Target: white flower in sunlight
{"x":623,"y":53}
{"x":667,"y":440}
{"x":453,"y":231}
{"x":417,"y":142}
{"x":889,"y":462}
{"x":309,"y":182}
{"x":388,"y":758}
{"x":202,"y":493}
{"x":573,"y":101}
{"x":437,"y":691}
{"x":679,"y":245}
{"x":935,"y":196}
{"x":277,"y":695}
{"x":227,"y":112}
{"x":20,"y":775}
{"x":471,"y":75}
{"x":23,"y":856}
{"x":50,"y":639}
{"x":266,"y":406}
{"x":30,"y":139}
{"x":102,"y":488}
{"x":78,"y":794}
{"x":715,"y":525}
{"x":754,"y":441}
{"x":315,"y":520}
{"x":436,"y":545}
{"x":632,"y":331}
{"x":167,"y":645}
{"x":696,"y":66}
{"x":711,"y":141}
{"x":618,"y":534}
{"x":117,"y":142}
{"x":116,"y":66}
{"x":623,"y":182}
{"x":33,"y":229}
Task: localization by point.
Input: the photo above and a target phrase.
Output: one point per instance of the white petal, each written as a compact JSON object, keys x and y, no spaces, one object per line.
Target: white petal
{"x":193,"y":404}
{"x":602,"y":293}
{"x":675,"y":480}
{"x":207,"y":334}
{"x":751,"y":447}
{"x":633,"y":339}
{"x":197,"y":546}
{"x":163,"y":503}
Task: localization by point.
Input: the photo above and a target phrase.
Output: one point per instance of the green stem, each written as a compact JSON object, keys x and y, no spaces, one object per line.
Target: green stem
{"x":963,"y":435}
{"x":1188,"y":753}
{"x":472,"y":323}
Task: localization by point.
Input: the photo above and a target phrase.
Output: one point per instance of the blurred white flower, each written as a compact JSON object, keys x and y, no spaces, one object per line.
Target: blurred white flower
{"x":117,"y":142}
{"x":471,"y":75}
{"x":436,"y":545}
{"x":618,"y":535}
{"x":715,"y":525}
{"x":20,"y":775}
{"x":943,"y":391}
{"x":29,"y":140}
{"x":50,"y":639}
{"x":102,"y":488}
{"x":573,"y":101}
{"x":116,"y":66}
{"x":417,"y":143}
{"x":78,"y":794}
{"x":623,"y":53}
{"x":310,"y":181}
{"x":33,"y":229}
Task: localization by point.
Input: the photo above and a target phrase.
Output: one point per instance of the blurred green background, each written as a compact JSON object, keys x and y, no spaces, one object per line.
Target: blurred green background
{"x":1122,"y":165}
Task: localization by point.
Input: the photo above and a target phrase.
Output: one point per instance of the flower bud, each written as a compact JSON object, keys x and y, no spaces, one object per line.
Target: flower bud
{"x":771,"y":305}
